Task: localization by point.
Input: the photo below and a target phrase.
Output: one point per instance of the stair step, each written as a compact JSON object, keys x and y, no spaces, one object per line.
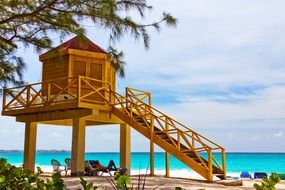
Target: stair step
{"x":190,"y":154}
{"x":163,"y":136}
{"x":197,"y":160}
{"x":186,"y":150}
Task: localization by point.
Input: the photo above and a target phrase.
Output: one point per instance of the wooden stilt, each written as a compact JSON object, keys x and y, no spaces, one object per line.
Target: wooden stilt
{"x":151,"y":155}
{"x":78,"y":147}
{"x":125,"y":147}
{"x":30,"y":146}
{"x":167,"y":163}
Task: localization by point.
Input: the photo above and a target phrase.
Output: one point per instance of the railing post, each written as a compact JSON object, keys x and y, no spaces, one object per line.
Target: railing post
{"x":79,"y":90}
{"x":48,"y":92}
{"x":4,"y":100}
{"x":178,"y":139}
{"x":210,"y":164}
{"x":28,"y":96}
{"x":224,"y":162}
{"x":149,"y":99}
{"x":193,"y":139}
{"x":127,"y":99}
{"x":110,"y":95}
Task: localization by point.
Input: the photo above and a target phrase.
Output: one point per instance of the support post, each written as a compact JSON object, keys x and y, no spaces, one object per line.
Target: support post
{"x":151,"y":148}
{"x":30,"y":146}
{"x":151,"y":152}
{"x":210,"y":166}
{"x":125,"y":147}
{"x":167,"y":163}
{"x":224,"y":162}
{"x":78,"y":147}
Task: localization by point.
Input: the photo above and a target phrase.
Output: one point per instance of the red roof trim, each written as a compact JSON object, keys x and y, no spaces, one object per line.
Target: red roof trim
{"x":81,"y":44}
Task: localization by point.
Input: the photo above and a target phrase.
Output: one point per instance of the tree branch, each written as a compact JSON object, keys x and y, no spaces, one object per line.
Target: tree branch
{"x":8,"y":42}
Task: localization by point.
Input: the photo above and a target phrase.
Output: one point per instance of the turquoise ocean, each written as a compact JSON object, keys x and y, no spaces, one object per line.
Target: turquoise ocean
{"x":236,"y":162}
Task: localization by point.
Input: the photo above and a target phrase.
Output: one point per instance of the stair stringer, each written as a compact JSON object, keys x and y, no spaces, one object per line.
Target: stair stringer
{"x":163,"y":144}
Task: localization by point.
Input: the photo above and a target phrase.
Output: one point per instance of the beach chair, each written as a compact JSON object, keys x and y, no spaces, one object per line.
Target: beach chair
{"x":57,"y":167}
{"x":68,"y":164}
{"x":89,"y":170}
{"x":103,"y":169}
{"x":245,"y":175}
{"x":259,"y":175}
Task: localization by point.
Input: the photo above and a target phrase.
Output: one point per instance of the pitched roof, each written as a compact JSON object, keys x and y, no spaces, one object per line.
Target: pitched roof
{"x":81,"y":44}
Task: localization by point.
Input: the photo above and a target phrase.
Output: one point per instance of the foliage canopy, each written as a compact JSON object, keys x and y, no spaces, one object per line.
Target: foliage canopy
{"x":31,"y":22}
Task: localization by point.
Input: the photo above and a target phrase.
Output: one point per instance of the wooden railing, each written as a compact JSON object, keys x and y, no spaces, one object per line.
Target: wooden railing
{"x":180,"y":135}
{"x":73,"y":90}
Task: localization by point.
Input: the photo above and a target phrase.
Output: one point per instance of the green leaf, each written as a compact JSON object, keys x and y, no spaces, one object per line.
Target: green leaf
{"x":2,"y":178}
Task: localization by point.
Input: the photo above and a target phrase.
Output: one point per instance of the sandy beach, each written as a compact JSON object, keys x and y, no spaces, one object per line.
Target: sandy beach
{"x":159,"y":182}
{"x":179,"y":178}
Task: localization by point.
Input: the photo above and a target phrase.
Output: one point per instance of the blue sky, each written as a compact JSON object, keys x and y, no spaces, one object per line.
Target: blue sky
{"x":221,"y":72}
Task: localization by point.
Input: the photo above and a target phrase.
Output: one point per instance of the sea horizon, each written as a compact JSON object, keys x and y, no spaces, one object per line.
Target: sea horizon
{"x":58,"y":150}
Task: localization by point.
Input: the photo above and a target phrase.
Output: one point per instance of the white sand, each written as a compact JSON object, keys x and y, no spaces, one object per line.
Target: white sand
{"x":181,"y":178}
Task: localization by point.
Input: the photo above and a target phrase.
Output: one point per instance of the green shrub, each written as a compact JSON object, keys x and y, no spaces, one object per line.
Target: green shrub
{"x":87,"y":186}
{"x":12,"y":177}
{"x":268,"y":184}
{"x":122,"y":181}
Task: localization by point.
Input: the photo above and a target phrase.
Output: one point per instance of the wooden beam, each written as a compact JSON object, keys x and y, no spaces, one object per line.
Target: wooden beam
{"x":42,"y":108}
{"x":78,"y":147}
{"x":105,"y":117}
{"x":125,"y":147}
{"x":30,"y":146}
{"x":55,"y":115}
{"x":82,"y":53}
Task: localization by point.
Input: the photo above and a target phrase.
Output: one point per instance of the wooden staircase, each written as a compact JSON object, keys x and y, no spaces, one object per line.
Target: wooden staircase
{"x":185,"y":144}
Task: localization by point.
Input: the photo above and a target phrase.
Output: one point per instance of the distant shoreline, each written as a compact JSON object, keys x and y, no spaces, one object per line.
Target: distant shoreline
{"x":68,"y":151}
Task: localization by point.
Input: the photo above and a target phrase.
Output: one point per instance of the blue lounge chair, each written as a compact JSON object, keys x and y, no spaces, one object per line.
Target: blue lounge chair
{"x":245,"y":175}
{"x":259,"y":175}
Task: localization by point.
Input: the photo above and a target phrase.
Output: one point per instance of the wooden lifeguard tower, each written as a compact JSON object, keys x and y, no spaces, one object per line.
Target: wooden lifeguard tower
{"x":78,"y":89}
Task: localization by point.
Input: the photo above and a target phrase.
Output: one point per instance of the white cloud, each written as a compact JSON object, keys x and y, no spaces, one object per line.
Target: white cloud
{"x":278,"y":134}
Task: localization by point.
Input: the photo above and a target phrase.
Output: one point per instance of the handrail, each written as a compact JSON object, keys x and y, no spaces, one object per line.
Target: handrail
{"x":56,"y":91}
{"x":169,"y":126}
{"x":188,"y":129}
{"x":175,"y":128}
{"x":121,"y":100}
